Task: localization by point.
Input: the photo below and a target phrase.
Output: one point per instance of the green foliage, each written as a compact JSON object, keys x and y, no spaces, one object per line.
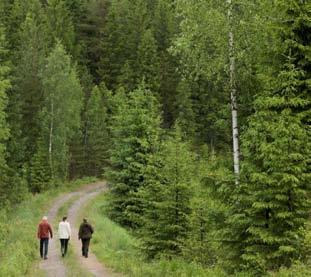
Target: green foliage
{"x":208,"y":209}
{"x":118,"y":249}
{"x":40,"y":173}
{"x":4,"y":86}
{"x":12,"y":188}
{"x":97,"y":134}
{"x":60,"y":26}
{"x":27,"y":95}
{"x":60,"y":115}
{"x":148,"y":61}
{"x":272,"y":199}
{"x":136,"y":130}
{"x":166,"y":198}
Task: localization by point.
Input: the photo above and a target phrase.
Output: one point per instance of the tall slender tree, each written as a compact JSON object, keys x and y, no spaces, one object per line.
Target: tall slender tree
{"x":233,"y":92}
{"x":166,"y":198}
{"x":60,"y":115}
{"x":272,"y":201}
{"x":136,"y":130}
{"x":97,"y":139}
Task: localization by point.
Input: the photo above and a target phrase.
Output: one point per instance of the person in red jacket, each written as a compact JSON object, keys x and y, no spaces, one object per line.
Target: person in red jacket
{"x":44,"y":233}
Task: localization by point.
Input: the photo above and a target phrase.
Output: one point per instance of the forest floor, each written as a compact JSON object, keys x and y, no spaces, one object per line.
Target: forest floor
{"x":54,"y":265}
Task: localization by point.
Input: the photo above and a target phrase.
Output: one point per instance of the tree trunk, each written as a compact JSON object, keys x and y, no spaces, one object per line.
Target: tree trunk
{"x":233,"y":95}
{"x":51,"y":138}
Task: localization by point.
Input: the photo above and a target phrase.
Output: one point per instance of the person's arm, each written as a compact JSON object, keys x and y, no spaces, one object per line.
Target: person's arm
{"x":80,"y":231}
{"x":38,"y":232}
{"x":59,"y":228}
{"x":50,"y":230}
{"x":69,"y":229}
{"x":91,"y":228}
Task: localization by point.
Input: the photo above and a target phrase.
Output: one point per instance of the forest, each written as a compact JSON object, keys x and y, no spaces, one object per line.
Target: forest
{"x":196,"y":112}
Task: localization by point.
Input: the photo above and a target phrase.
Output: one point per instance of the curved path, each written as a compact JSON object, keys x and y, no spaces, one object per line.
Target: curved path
{"x":54,"y":266}
{"x":91,"y":263}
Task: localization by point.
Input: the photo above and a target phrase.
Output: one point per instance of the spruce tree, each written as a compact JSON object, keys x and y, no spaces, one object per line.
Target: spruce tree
{"x":61,"y":26}
{"x":272,"y":202}
{"x":136,"y":129}
{"x":148,"y":61}
{"x":12,"y":188}
{"x":27,"y":95}
{"x":97,"y":135}
{"x":60,"y":115}
{"x":166,"y":198}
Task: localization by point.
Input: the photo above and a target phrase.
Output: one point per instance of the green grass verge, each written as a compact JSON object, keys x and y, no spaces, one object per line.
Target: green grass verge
{"x":117,"y":249}
{"x":18,"y":242}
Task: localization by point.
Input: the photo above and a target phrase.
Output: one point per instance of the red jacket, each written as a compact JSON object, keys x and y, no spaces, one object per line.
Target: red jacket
{"x":44,"y":229}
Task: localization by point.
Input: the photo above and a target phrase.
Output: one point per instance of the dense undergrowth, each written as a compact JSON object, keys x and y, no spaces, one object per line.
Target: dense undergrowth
{"x":119,"y":250}
{"x":18,"y":227}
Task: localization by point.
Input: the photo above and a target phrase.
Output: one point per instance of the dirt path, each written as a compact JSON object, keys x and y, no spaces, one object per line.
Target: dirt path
{"x":91,"y":263}
{"x":54,"y":266}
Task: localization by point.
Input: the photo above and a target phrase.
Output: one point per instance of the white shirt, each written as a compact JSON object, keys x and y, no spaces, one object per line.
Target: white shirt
{"x":64,"y":231}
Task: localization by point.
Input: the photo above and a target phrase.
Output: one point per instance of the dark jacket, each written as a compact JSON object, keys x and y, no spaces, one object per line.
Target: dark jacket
{"x":44,"y":230}
{"x":85,"y":231}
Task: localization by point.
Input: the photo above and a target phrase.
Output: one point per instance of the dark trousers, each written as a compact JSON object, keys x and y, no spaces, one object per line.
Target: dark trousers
{"x":64,"y":246}
{"x":44,"y":245}
{"x":85,"y":247}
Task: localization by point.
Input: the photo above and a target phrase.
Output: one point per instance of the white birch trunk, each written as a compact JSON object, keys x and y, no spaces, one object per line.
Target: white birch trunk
{"x":51,"y":137}
{"x":233,"y":95}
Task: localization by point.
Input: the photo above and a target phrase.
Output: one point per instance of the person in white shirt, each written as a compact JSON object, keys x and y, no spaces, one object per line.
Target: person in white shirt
{"x":64,"y":233}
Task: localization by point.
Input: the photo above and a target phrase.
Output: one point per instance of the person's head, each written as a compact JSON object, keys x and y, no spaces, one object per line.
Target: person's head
{"x":84,"y":220}
{"x":64,"y":218}
{"x":45,"y":218}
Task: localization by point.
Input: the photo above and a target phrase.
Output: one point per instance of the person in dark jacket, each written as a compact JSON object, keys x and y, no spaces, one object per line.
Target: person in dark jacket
{"x":44,"y":233}
{"x":85,"y":234}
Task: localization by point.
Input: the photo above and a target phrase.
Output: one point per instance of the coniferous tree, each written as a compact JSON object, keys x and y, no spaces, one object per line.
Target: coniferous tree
{"x":12,"y":189}
{"x":27,"y":96}
{"x":166,"y":198}
{"x":272,"y":202}
{"x":136,"y":129}
{"x":61,"y":26}
{"x":97,"y":135}
{"x":148,"y":61}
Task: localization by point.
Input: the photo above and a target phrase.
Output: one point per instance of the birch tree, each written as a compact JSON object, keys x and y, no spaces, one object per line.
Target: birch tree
{"x":269,"y":220}
{"x":60,"y":115}
{"x":233,"y":92}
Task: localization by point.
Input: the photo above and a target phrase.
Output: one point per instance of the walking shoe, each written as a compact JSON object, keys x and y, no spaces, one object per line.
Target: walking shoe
{"x":45,"y":257}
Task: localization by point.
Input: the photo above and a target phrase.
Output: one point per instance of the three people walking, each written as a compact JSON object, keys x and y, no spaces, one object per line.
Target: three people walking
{"x":85,"y":234}
{"x":64,"y":233}
{"x":44,"y":233}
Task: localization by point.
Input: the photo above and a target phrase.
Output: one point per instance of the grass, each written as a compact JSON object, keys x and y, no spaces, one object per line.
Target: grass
{"x":18,"y":242}
{"x":117,"y":249}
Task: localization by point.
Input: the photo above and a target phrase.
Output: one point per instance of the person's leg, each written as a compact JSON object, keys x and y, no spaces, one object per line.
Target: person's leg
{"x":62,"y":246}
{"x":46,"y":246}
{"x":83,"y":246}
{"x":65,"y":246}
{"x":86,"y":250}
{"x":41,"y":248}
